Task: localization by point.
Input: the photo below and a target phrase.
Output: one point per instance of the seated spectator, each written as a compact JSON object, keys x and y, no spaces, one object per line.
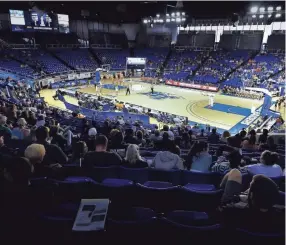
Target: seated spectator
{"x":57,"y":139}
{"x":195,"y":129}
{"x":168,"y":160}
{"x":41,"y":121}
{"x":166,"y":143}
{"x":198,"y":157}
{"x":213,"y":137}
{"x":186,"y":141}
{"x":105,"y":130}
{"x":4,"y":150}
{"x":267,"y":165}
{"x":269,"y":145}
{"x":100,"y":157}
{"x":166,"y":129}
{"x":32,"y":120}
{"x":202,"y":133}
{"x":156,"y":136}
{"x":90,"y":139}
{"x":139,"y":137}
{"x":16,"y":186}
{"x":129,"y":136}
{"x":255,"y":211}
{"x":3,"y":127}
{"x":54,"y":154}
{"x":116,"y":140}
{"x":79,"y":151}
{"x":233,"y":161}
{"x":36,"y":153}
{"x":17,"y":174}
{"x":192,"y":136}
{"x":133,"y":158}
{"x":263,"y":137}
{"x":249,"y":142}
{"x":224,"y":136}
{"x":21,"y":132}
{"x":236,"y":140}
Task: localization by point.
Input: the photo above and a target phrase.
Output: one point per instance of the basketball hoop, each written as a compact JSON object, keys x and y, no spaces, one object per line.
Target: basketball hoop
{"x":106,"y":67}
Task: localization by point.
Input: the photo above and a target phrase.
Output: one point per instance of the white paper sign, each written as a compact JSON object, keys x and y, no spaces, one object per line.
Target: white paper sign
{"x":91,"y":215}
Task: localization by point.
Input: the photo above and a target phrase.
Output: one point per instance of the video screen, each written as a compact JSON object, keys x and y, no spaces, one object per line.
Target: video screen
{"x":63,"y":23}
{"x":17,"y":17}
{"x":136,"y":63}
{"x":31,"y":21}
{"x":41,"y":21}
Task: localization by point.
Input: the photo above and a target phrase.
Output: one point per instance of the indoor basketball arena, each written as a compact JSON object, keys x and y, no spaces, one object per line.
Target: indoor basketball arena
{"x":142,"y":122}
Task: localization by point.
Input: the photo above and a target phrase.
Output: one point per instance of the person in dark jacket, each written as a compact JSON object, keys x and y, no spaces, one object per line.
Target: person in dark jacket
{"x":101,"y":157}
{"x":213,"y":137}
{"x":54,"y":154}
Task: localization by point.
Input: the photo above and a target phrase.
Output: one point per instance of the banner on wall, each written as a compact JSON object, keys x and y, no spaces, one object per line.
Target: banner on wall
{"x":102,"y":115}
{"x":75,"y":76}
{"x":65,"y":77}
{"x":195,"y":86}
{"x":72,"y":76}
{"x":84,"y":75}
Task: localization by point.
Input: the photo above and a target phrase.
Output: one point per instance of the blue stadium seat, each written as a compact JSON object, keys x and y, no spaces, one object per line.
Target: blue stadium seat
{"x":200,"y":187}
{"x":159,"y":199}
{"x":196,"y":177}
{"x":158,"y":184}
{"x":281,"y":200}
{"x":137,"y":175}
{"x":189,"y":226}
{"x":116,"y":182}
{"x":134,"y":225}
{"x":187,"y":217}
{"x":245,"y":236}
{"x":172,"y":176}
{"x":200,"y":200}
{"x":101,"y":173}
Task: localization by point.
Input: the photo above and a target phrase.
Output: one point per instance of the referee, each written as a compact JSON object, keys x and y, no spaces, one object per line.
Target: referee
{"x":152,"y":89}
{"x":128,"y":90}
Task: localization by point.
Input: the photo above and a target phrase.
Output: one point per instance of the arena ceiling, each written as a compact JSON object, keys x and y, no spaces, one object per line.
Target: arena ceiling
{"x":122,"y":12}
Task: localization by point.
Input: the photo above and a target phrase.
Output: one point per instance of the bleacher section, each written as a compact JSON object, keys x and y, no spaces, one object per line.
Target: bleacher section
{"x":182,"y":63}
{"x":155,"y":59}
{"x":14,"y":66}
{"x":48,"y":63}
{"x":257,"y":70}
{"x":80,"y":59}
{"x":219,"y":64}
{"x":116,"y":58}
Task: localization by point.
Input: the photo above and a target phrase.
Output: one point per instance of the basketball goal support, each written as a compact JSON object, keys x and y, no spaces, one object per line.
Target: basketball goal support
{"x":106,"y":67}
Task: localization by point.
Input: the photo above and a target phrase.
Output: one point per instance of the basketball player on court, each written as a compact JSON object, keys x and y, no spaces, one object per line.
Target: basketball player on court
{"x":116,"y":89}
{"x":152,"y":88}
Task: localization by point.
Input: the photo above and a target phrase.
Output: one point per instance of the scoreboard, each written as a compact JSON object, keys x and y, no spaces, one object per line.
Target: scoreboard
{"x":135,"y":63}
{"x":30,"y":21}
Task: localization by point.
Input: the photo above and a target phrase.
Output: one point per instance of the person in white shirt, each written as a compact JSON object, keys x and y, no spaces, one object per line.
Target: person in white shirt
{"x":267,"y":167}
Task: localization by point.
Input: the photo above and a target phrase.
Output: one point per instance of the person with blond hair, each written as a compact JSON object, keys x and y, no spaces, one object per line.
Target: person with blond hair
{"x":21,"y":132}
{"x":35,"y":153}
{"x":133,"y":158}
